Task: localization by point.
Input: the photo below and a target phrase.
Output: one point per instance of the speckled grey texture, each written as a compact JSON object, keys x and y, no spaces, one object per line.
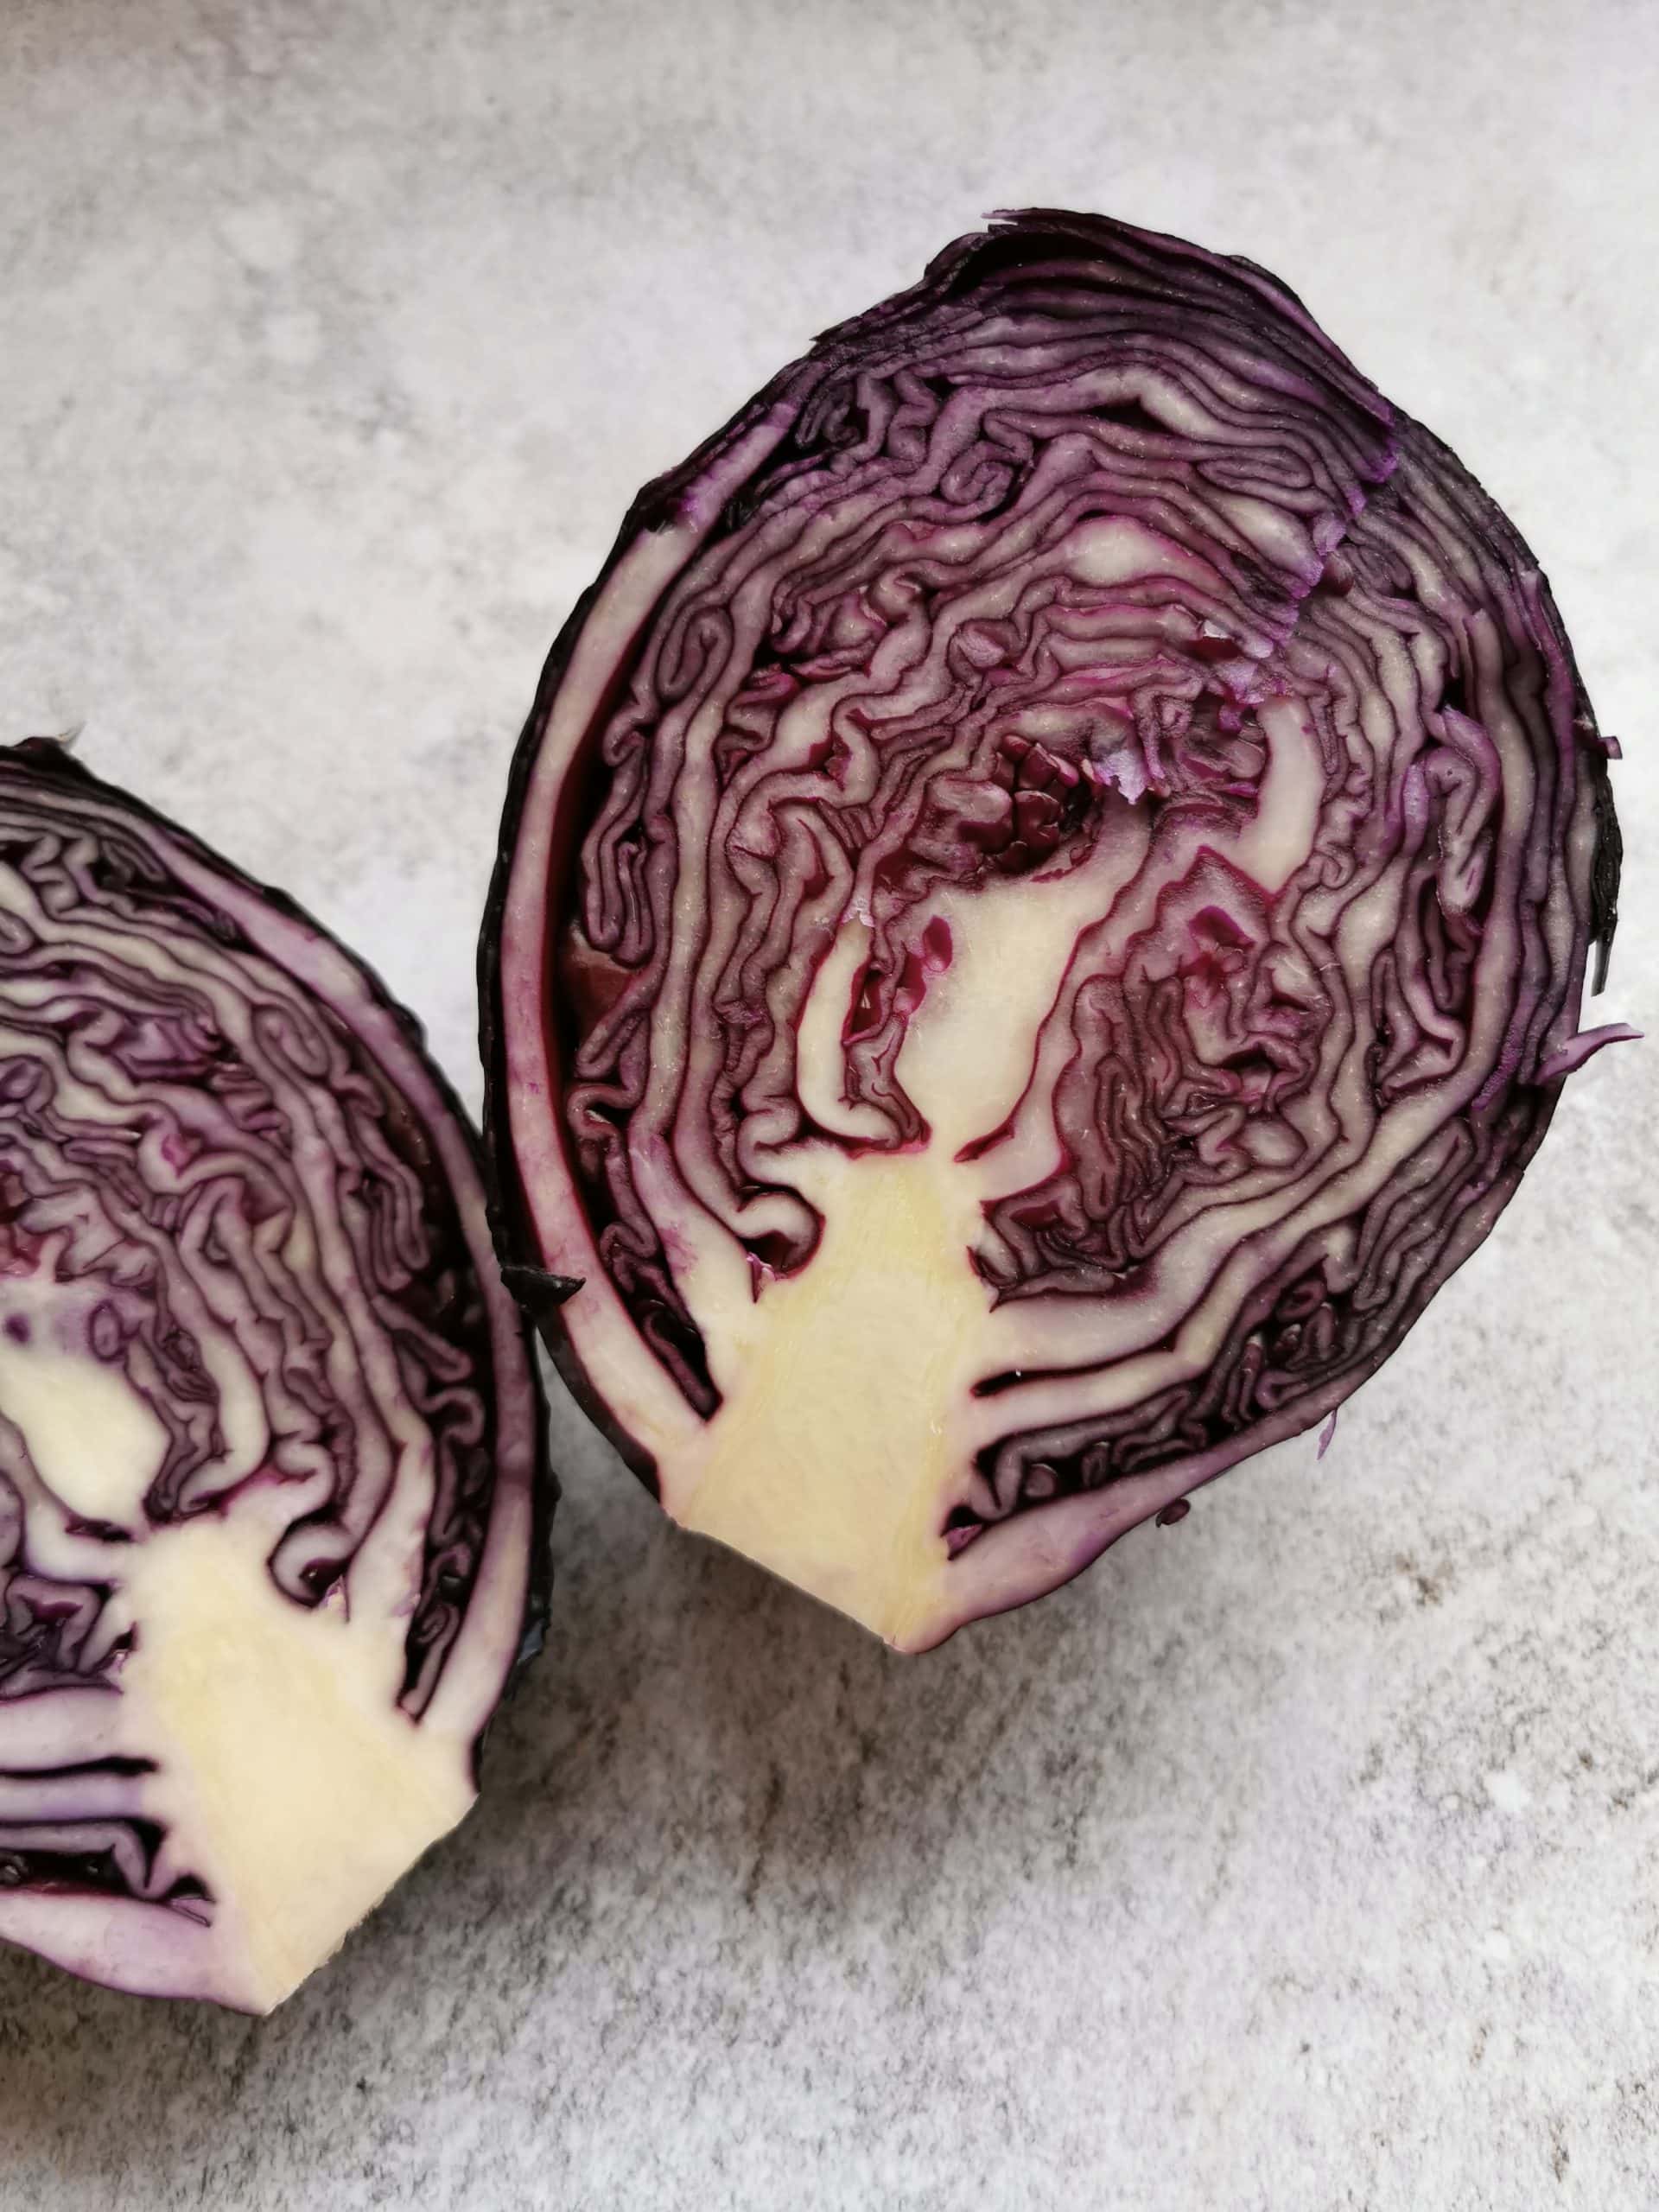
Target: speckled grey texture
{"x":1304,"y":1855}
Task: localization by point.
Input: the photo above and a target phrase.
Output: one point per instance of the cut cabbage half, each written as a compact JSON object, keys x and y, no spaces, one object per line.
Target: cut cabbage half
{"x":272,"y":1488}
{"x":1043,"y":910}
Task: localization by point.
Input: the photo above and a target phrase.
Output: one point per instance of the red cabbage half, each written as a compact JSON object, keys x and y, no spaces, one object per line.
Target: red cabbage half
{"x":272,"y":1492}
{"x":1043,"y":912}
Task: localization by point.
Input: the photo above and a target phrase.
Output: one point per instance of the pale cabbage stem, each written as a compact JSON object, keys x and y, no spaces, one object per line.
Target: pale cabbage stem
{"x":847,"y":1426}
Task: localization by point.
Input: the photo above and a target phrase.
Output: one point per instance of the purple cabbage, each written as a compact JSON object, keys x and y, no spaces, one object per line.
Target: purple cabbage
{"x":272,"y":1487}
{"x":1043,"y":910}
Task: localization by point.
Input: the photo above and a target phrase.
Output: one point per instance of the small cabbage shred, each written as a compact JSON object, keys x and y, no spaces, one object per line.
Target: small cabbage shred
{"x":273,"y":1496}
{"x":1043,"y":910}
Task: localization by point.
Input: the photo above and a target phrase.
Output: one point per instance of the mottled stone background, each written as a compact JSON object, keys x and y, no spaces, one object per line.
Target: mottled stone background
{"x":1302,"y":1856}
